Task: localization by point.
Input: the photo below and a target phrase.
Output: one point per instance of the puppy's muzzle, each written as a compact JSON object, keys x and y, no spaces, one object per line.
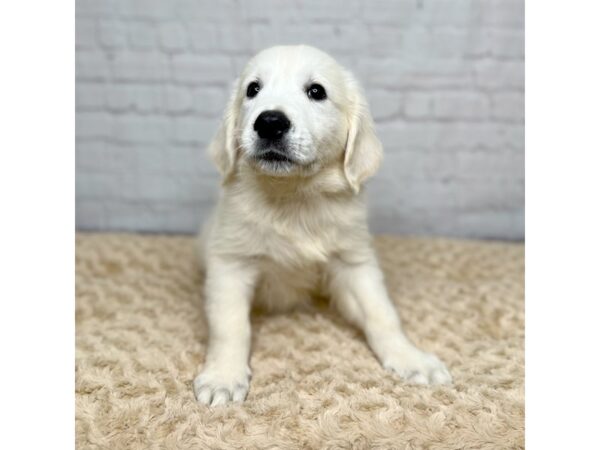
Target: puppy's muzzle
{"x":271,"y":125}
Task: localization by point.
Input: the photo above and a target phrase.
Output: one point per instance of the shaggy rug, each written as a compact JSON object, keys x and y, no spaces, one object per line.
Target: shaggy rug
{"x":316,"y":385}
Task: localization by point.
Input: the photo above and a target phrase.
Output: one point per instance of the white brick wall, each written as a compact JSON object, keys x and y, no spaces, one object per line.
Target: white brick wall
{"x":445,"y":81}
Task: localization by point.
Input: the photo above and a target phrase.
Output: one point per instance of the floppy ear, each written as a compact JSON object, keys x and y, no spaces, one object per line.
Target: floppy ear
{"x":223,"y":148}
{"x":363,"y":149}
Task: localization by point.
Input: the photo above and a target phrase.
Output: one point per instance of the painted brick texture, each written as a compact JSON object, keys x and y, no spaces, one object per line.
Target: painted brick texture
{"x":444,"y":79}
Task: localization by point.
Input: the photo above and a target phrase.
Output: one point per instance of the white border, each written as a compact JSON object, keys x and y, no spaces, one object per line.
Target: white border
{"x":562,"y":224}
{"x":37,"y":239}
{"x":562,"y":228}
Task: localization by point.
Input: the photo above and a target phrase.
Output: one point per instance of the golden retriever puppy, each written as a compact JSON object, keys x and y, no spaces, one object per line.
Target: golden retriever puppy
{"x":295,"y":146}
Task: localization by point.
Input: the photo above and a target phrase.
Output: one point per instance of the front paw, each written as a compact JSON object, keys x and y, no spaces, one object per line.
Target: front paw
{"x":418,"y":367}
{"x":220,"y":385}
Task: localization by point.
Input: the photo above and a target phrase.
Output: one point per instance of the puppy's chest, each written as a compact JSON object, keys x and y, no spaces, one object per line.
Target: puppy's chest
{"x":296,"y":237}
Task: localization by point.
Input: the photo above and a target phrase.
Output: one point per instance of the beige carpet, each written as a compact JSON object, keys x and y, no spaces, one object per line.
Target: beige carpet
{"x":315,"y":385}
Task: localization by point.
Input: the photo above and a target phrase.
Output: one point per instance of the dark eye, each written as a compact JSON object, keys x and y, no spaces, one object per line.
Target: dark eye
{"x":316,"y":92}
{"x":252,"y":90}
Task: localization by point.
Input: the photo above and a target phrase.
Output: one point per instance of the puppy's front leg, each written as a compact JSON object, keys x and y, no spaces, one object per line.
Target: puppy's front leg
{"x":360,"y":294}
{"x":228,"y":294}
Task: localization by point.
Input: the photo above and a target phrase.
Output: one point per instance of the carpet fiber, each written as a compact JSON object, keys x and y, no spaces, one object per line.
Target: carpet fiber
{"x":316,"y":385}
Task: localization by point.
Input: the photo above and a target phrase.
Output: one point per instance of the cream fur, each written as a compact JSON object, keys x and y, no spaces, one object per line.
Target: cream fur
{"x":280,"y":236}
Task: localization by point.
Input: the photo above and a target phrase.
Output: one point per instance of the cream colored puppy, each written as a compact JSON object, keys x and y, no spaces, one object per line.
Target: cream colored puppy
{"x":295,"y":146}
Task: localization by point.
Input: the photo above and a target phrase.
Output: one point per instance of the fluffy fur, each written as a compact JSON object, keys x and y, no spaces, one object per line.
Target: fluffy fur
{"x":284,"y":233}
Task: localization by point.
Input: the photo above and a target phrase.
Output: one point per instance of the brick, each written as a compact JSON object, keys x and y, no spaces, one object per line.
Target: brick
{"x":95,"y":8}
{"x":495,"y":195}
{"x":503,"y":13}
{"x":91,"y":155}
{"x":90,"y":215}
{"x":507,"y":43}
{"x":203,"y":37}
{"x":208,"y":10}
{"x":98,"y":185}
{"x":132,"y":215}
{"x":418,"y":42}
{"x":494,"y":75}
{"x":415,"y":74}
{"x":239,"y":63}
{"x":91,"y":66}
{"x":508,"y":106}
{"x":147,"y":99}
{"x":192,"y":159}
{"x":451,"y":136}
{"x":112,"y":34}
{"x":178,"y":99}
{"x":272,"y":11}
{"x":330,"y":11}
{"x":146,"y":9}
{"x":185,"y":159}
{"x":332,"y":38}
{"x":151,"y":160}
{"x":85,"y":33}
{"x":122,"y":158}
{"x":209,"y":101}
{"x":383,"y":40}
{"x":413,"y":164}
{"x":509,"y":223}
{"x":234,"y":38}
{"x":130,"y":66}
{"x":189,"y":69}
{"x":456,"y":13}
{"x":140,"y":98}
{"x":173,"y":37}
{"x":418,"y":105}
{"x":105,"y":156}
{"x":179,"y":216}
{"x":400,"y":134}
{"x":498,"y":43}
{"x":491,"y":164}
{"x":263,"y":36}
{"x":461,"y":105}
{"x":89,"y":96}
{"x":382,"y":72}
{"x":155,"y":187}
{"x":181,"y":188}
{"x":384,"y":104}
{"x":338,"y":38}
{"x":465,"y":136}
{"x":478,"y":43}
{"x":194,"y":130}
{"x":142,"y":129}
{"x":184,"y":218}
{"x":450,"y":43}
{"x":390,"y":12}
{"x":429,"y":195}
{"x":93,"y":125}
{"x":118,"y":98}
{"x":142,"y":35}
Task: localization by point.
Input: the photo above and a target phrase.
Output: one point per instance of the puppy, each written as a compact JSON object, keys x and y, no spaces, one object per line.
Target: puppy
{"x":294,"y":148}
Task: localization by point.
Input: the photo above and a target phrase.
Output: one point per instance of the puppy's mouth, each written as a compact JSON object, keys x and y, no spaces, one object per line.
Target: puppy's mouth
{"x":274,"y":156}
{"x":273,"y":153}
{"x":277,"y":161}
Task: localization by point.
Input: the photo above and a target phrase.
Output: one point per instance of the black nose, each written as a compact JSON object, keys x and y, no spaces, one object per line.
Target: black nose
{"x":271,"y":124}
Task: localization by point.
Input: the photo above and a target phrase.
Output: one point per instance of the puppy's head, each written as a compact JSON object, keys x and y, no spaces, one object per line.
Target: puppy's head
{"x":294,"y":111}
